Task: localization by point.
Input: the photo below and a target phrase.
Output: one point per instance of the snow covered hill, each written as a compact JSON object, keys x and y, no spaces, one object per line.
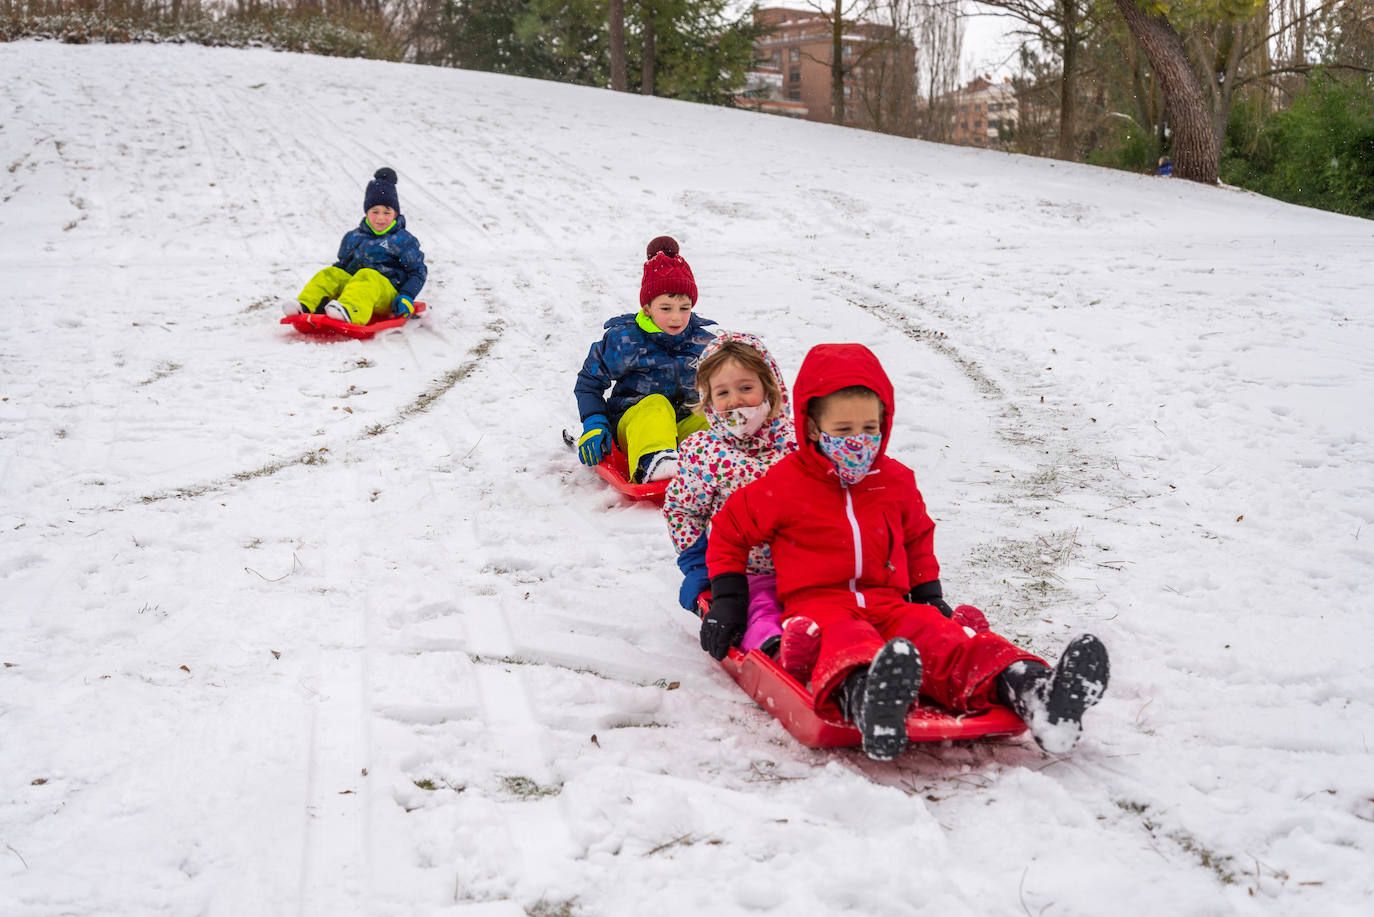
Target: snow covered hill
{"x":291,"y":627}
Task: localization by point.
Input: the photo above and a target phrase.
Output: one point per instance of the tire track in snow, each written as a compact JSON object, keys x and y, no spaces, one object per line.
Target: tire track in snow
{"x":338,"y":842}
{"x":486,"y":659}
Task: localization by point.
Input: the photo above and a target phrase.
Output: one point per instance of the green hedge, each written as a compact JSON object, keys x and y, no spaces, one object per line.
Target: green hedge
{"x":267,"y":28}
{"x":1319,"y":152}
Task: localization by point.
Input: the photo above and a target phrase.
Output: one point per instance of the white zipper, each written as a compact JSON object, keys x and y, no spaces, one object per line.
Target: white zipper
{"x":858,"y":546}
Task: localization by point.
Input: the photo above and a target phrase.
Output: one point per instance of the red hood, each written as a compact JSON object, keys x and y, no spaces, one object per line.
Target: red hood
{"x":829,"y":368}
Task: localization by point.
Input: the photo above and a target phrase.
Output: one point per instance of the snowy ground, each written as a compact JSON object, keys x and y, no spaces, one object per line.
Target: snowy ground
{"x":291,"y":627}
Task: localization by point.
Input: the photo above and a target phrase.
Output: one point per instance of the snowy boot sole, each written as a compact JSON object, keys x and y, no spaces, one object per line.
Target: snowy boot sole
{"x":1079,"y":680}
{"x":894,"y":680}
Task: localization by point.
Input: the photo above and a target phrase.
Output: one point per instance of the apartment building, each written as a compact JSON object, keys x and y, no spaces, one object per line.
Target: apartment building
{"x":984,"y":113}
{"x":793,"y":76}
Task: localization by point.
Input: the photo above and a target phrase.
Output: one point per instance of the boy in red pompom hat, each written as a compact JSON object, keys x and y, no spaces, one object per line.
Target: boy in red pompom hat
{"x":380,"y":268}
{"x":649,"y":357}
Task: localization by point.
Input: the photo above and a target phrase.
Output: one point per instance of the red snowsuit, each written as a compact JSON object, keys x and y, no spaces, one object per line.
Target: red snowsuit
{"x":847,"y":555}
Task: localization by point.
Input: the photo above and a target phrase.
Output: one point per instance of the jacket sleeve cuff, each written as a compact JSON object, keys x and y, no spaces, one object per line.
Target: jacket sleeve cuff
{"x":925,"y":593}
{"x":729,"y":586}
{"x":691,"y":558}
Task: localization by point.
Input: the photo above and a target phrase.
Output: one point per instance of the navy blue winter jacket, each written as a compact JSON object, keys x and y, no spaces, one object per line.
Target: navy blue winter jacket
{"x":395,"y":254}
{"x":640,"y":363}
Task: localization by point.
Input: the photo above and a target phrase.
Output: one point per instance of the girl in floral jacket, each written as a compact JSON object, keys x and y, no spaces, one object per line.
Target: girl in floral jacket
{"x":744,"y":400}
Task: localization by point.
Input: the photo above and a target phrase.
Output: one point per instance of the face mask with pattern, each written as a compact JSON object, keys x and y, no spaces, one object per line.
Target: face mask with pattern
{"x":741,"y":423}
{"x":852,"y":456}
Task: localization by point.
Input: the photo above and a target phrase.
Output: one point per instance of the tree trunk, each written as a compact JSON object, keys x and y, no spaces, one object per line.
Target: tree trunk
{"x":1195,"y":152}
{"x":837,"y":64}
{"x":1227,"y":90}
{"x":1300,"y":40}
{"x":619,"y":78}
{"x":1068,"y":92}
{"x":646,"y":68}
{"x":1144,"y":102}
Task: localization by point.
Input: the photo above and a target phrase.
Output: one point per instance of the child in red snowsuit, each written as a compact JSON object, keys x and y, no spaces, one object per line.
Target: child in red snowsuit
{"x":853,"y":547}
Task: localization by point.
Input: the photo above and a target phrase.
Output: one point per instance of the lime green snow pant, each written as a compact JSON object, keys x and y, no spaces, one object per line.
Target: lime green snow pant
{"x":651,"y":425}
{"x":362,"y":294}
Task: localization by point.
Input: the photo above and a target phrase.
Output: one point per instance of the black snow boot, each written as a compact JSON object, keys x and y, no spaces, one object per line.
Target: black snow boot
{"x":877,"y":699}
{"x":1052,"y":702}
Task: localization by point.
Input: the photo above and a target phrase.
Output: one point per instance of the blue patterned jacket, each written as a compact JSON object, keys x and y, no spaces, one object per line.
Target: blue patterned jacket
{"x":395,"y":254}
{"x":640,"y":363}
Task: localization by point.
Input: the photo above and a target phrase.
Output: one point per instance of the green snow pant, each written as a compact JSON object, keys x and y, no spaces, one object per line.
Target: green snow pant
{"x":651,"y":425}
{"x":363,"y":295}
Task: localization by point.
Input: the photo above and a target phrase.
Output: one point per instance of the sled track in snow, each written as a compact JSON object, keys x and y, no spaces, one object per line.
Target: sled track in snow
{"x":1028,"y":563}
{"x":935,"y":340}
{"x":420,"y":404}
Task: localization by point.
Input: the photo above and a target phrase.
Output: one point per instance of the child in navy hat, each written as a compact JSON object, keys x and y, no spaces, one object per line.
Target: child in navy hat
{"x":380,"y":268}
{"x":649,"y":357}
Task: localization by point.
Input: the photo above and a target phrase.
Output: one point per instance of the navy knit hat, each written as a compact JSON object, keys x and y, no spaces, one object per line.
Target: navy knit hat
{"x":381,"y":191}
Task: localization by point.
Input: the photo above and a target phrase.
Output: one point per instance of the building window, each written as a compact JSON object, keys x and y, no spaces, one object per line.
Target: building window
{"x":794,"y":75}
{"x":794,"y":95}
{"x":963,"y":125}
{"x":793,"y":55}
{"x":849,"y":92}
{"x":777,"y":59}
{"x":848,"y":50}
{"x":978,"y":107}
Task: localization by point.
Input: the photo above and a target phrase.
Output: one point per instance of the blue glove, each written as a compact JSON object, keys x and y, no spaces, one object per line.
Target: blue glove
{"x":403,"y":306}
{"x":692,"y":563}
{"x":595,"y":443}
{"x":693,"y":584}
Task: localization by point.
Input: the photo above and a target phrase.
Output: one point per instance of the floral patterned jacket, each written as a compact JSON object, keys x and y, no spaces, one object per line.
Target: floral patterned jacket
{"x":713,"y":464}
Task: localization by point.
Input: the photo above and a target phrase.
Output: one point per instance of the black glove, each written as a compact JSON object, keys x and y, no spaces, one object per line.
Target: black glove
{"x":723,"y":625}
{"x":930,"y":594}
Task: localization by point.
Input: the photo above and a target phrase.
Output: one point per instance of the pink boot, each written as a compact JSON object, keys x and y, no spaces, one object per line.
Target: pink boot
{"x":801,"y":644}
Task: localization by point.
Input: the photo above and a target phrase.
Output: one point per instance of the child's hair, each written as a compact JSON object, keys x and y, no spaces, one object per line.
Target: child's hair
{"x":816,"y":406}
{"x":745,"y":356}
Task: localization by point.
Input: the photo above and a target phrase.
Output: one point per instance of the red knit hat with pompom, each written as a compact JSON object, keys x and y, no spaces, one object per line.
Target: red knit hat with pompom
{"x":666,"y":272}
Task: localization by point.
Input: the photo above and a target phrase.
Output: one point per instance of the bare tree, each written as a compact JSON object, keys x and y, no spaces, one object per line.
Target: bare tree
{"x":646,"y":64}
{"x":1228,"y":53}
{"x":841,"y":16}
{"x":619,"y":78}
{"x":1062,"y":26}
{"x":940,"y":45}
{"x":1279,"y":46}
{"x":885,"y":82}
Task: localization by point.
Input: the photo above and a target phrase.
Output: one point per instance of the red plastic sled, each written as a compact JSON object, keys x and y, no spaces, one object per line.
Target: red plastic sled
{"x":792,"y":705}
{"x":788,"y":701}
{"x":615,"y":471}
{"x":319,"y":323}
